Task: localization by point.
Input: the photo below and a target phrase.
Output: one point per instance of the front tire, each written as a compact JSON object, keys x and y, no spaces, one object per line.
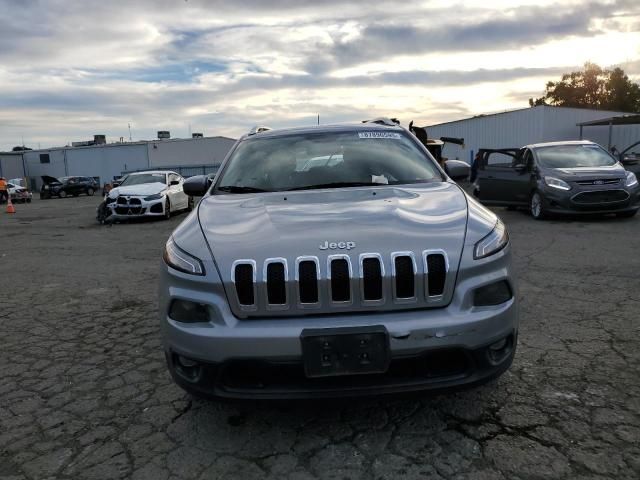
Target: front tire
{"x":62,"y":194}
{"x":190,"y":204}
{"x":90,"y":192}
{"x":167,"y":209}
{"x":536,"y":206}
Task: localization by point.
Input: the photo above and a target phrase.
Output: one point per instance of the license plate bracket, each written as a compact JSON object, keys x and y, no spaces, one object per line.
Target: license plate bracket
{"x":330,"y":352}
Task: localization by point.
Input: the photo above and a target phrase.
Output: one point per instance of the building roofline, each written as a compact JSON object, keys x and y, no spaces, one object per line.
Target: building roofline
{"x":124,"y":144}
{"x":485,"y":115}
{"x":627,"y":119}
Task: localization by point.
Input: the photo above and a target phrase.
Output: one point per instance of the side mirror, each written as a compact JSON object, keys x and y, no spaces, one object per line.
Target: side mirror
{"x":457,"y":169}
{"x":197,"y":185}
{"x":174,"y":182}
{"x":520,"y":168}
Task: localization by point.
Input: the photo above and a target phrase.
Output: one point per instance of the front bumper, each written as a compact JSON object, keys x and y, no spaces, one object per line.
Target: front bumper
{"x":564,"y":202}
{"x":430,"y":349}
{"x":21,"y":197}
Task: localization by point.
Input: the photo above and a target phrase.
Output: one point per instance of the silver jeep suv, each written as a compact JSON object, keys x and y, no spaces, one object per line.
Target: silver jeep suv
{"x":331,"y":261}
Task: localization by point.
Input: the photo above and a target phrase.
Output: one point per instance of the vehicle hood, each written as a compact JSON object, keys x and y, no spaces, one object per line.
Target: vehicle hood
{"x":294,"y":224}
{"x":47,"y":180}
{"x":587,"y":173}
{"x":139,"y":190}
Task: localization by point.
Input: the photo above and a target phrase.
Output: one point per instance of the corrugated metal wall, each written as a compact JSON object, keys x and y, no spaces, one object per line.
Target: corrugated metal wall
{"x":530,"y":125}
{"x":102,"y":162}
{"x":198,"y":151}
{"x":11,"y":166}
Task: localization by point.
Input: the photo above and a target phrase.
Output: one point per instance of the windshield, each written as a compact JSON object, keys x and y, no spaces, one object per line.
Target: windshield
{"x":144,"y":178}
{"x":573,"y":156}
{"x":326,"y":160}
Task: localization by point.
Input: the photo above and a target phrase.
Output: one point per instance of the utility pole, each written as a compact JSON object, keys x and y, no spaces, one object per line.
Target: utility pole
{"x":129,"y":125}
{"x":318,"y":119}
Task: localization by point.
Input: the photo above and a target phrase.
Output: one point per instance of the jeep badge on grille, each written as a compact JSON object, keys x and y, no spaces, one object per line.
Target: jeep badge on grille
{"x":337,"y":245}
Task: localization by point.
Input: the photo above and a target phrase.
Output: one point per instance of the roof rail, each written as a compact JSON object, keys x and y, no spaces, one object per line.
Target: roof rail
{"x":259,"y":129}
{"x":389,"y":122}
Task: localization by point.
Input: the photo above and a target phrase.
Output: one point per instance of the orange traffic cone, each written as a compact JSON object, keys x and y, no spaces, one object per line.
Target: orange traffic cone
{"x":10,"y":207}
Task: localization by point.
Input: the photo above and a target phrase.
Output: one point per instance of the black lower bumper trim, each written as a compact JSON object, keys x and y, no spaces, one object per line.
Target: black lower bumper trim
{"x":433,"y":370}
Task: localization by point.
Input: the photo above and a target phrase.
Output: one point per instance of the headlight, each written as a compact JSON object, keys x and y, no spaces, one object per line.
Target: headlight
{"x":492,"y":243}
{"x":557,"y":183}
{"x":157,"y":196}
{"x":632,"y":180}
{"x":177,"y":258}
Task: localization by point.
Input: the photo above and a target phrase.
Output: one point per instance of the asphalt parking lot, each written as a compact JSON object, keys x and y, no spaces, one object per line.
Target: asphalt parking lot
{"x":84,"y":392}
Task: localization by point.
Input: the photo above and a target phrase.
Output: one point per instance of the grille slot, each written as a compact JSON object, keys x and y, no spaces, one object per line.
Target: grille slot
{"x":436,"y":273}
{"x":405,"y":277}
{"x":371,"y":279}
{"x":340,"y":280}
{"x":308,"y":281}
{"x":243,"y":275}
{"x":276,"y":284}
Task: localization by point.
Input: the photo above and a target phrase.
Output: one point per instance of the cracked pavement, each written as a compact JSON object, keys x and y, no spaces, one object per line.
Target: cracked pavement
{"x":84,"y":392}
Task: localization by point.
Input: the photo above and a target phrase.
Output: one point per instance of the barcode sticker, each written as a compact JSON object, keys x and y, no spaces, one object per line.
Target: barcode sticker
{"x":393,"y":135}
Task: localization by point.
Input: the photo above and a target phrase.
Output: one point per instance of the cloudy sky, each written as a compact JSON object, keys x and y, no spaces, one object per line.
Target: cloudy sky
{"x":71,"y":69}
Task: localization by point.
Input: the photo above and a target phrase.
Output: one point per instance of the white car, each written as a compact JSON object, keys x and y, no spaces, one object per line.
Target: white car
{"x":156,"y":193}
{"x":19,"y":193}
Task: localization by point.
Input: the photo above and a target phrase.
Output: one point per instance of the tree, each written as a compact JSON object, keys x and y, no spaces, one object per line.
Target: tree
{"x":592,"y":87}
{"x":19,"y":149}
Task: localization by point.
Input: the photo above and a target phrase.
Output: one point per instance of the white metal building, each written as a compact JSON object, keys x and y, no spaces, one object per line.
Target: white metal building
{"x":104,"y":162}
{"x":11,"y":165}
{"x":530,"y":125}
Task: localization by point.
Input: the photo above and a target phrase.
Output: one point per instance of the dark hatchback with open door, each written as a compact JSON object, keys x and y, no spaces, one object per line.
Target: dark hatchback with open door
{"x":65,"y":186}
{"x":559,"y":177}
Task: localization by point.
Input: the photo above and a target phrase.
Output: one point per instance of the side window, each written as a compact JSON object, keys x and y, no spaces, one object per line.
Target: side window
{"x":499,"y":160}
{"x":44,"y":158}
{"x":173,"y":177}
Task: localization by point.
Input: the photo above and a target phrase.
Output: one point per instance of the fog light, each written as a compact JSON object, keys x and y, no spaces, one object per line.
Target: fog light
{"x":186,"y":362}
{"x":188,"y":369}
{"x":495,"y":346}
{"x":492,"y":294}
{"x":188,"y":312}
{"x":500,"y":350}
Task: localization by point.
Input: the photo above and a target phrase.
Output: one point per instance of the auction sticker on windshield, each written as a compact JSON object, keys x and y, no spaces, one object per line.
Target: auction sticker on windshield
{"x":396,"y":136}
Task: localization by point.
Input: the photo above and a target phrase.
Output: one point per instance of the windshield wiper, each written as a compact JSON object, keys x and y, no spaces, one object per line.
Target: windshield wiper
{"x":337,"y":185}
{"x":240,"y":189}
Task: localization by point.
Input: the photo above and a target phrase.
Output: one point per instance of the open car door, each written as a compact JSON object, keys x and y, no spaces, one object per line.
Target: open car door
{"x":501,"y":177}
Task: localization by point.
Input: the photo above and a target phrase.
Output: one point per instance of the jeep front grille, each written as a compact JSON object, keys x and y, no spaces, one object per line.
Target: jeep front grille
{"x":340,"y":281}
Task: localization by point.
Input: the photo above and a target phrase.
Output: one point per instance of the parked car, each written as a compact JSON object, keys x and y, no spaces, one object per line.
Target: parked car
{"x":558,"y":177}
{"x":156,"y":193}
{"x":301,"y":276}
{"x":19,"y":194}
{"x":65,"y":186}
